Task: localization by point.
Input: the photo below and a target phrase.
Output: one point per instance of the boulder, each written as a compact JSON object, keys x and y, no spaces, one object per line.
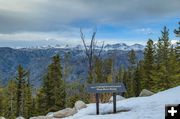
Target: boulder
{"x":64,"y":113}
{"x":20,"y":118}
{"x":2,"y":118}
{"x":79,"y":105}
{"x":145,"y":92}
{"x":118,"y":98}
{"x":41,"y":117}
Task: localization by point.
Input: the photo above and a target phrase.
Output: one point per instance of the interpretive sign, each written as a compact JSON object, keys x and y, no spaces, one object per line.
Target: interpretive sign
{"x":106,"y":88}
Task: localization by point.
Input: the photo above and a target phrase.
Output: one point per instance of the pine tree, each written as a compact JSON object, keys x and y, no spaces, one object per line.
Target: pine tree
{"x":173,"y":69}
{"x":28,"y":98}
{"x":54,"y":86}
{"x":132,"y":64}
{"x":11,"y":100}
{"x":20,"y":90}
{"x":149,"y":65}
{"x":137,"y":78}
{"x":23,"y":95}
{"x":162,"y":59}
{"x":41,"y":102}
{"x":177,"y":53}
{"x":141,"y":74}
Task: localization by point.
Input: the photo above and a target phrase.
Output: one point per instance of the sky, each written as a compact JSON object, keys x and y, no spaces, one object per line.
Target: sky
{"x":30,"y":23}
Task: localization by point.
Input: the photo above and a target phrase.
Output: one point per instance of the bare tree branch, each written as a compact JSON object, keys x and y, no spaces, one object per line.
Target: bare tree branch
{"x":102,"y":47}
{"x":83,"y":39}
{"x":90,"y":51}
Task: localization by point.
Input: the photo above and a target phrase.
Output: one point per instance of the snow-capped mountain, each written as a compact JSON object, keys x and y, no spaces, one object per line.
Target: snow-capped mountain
{"x":123,"y":46}
{"x":117,"y":46}
{"x":38,"y":58}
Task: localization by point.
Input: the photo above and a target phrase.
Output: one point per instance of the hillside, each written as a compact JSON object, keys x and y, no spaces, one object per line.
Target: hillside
{"x":36,"y":60}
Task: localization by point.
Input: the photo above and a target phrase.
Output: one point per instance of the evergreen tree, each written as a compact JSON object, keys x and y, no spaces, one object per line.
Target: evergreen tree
{"x":132,"y":64}
{"x":162,"y":59}
{"x":137,"y":83}
{"x":149,"y":65}
{"x":11,"y":100}
{"x":173,"y":69}
{"x":28,"y":98}
{"x":21,"y":81}
{"x":141,"y":74}
{"x":41,"y":102}
{"x":54,"y":86}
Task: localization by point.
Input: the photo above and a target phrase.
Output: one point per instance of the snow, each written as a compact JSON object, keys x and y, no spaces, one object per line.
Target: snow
{"x":152,"y":107}
{"x":117,"y":46}
{"x":124,"y":47}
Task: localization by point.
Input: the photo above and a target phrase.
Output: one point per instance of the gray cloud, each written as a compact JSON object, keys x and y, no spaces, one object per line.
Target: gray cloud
{"x":55,"y":15}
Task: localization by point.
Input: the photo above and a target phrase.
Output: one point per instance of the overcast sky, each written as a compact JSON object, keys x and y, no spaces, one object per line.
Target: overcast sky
{"x":26,"y":23}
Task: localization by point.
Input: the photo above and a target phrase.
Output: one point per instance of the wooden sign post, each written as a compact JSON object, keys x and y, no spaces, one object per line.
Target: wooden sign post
{"x":106,"y":88}
{"x":97,"y":103}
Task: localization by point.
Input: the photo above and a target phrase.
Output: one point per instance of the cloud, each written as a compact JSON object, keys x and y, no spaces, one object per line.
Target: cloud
{"x":53,"y":15}
{"x":146,"y":31}
{"x":59,"y":21}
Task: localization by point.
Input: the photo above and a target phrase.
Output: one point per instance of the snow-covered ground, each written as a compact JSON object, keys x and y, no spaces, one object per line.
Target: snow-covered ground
{"x":152,"y":107}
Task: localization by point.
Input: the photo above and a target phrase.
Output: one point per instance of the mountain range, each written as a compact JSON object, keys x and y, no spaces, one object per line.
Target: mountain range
{"x":36,"y":60}
{"x":117,"y":46}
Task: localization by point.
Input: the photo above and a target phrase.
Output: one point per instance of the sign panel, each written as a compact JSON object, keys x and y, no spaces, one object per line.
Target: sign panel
{"x":106,"y":88}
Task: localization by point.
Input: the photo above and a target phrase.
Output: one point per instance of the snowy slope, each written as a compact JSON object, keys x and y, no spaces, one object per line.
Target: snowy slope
{"x":152,"y":107}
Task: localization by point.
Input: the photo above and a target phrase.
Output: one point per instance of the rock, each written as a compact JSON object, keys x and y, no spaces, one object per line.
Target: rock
{"x":2,"y":118}
{"x":41,"y":117}
{"x":118,"y":98}
{"x":145,"y":92}
{"x":79,"y":105}
{"x":50,"y":114}
{"x":65,"y":113}
{"x":20,"y":118}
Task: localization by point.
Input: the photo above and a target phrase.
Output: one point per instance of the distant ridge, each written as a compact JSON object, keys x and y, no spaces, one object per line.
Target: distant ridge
{"x":117,"y":46}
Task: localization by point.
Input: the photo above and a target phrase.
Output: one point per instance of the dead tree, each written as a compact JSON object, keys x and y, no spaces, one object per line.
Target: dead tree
{"x":91,"y":52}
